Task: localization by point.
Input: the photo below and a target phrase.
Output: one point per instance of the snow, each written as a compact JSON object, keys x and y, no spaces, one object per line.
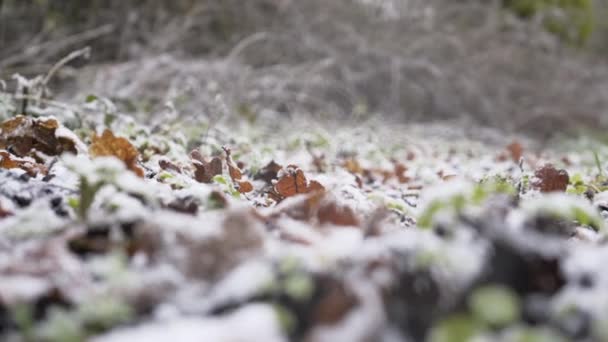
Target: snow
{"x":254,"y":322}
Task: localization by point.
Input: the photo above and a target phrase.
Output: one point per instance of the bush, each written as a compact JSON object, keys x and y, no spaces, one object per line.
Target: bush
{"x":571,"y":20}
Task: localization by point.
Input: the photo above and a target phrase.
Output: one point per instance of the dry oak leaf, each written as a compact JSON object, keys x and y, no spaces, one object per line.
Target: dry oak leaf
{"x":236,"y":174}
{"x":24,"y":136}
{"x":205,"y":170}
{"x":29,"y":166}
{"x":548,"y":179}
{"x":293,"y":182}
{"x":109,"y":145}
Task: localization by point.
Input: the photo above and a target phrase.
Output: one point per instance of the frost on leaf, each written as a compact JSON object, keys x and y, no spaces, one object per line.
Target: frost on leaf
{"x":24,"y":136}
{"x":205,"y":170}
{"x":236,"y":174}
{"x":109,"y":145}
{"x":549,"y":179}
{"x":7,"y":161}
{"x":293,"y":182}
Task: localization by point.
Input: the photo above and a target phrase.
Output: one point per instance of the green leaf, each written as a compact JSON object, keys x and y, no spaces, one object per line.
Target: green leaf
{"x":91,"y":98}
{"x":495,"y":305}
{"x":457,"y":328}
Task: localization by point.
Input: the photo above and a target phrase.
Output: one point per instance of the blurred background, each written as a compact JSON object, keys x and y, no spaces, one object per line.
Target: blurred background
{"x":535,"y":66}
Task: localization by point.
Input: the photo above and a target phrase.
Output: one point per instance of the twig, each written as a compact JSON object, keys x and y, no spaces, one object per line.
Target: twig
{"x":85,"y":53}
{"x":57,"y":45}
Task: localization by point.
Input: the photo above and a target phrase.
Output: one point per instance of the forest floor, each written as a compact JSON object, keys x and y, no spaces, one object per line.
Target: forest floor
{"x":116,"y":227}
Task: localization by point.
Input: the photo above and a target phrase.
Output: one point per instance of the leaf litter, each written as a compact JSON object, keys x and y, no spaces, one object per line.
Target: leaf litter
{"x":277,"y":236}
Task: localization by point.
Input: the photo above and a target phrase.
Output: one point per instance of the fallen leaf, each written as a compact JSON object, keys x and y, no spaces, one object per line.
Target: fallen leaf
{"x":168,"y":165}
{"x":400,"y":170}
{"x":293,"y":182}
{"x":269,"y":172}
{"x":205,"y":170}
{"x":516,"y":151}
{"x":548,"y":179}
{"x":329,"y":212}
{"x":24,"y":136}
{"x":236,"y":174}
{"x":7,"y":161}
{"x":109,"y":145}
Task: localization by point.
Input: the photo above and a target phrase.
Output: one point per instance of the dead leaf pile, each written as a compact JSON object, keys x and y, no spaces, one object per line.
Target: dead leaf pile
{"x":109,"y":145}
{"x":27,"y":136}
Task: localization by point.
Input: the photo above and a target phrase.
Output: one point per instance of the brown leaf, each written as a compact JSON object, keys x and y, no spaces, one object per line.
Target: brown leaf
{"x":24,"y":136}
{"x":329,"y":212}
{"x":32,"y":168}
{"x":516,"y":151}
{"x":548,"y":179}
{"x":236,"y":174}
{"x":294,"y":182}
{"x":400,"y":170}
{"x":168,"y":165}
{"x":206,"y":170}
{"x":269,"y":172}
{"x":109,"y":145}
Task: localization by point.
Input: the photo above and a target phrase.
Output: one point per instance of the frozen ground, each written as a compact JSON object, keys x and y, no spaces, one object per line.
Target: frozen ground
{"x":117,"y":229}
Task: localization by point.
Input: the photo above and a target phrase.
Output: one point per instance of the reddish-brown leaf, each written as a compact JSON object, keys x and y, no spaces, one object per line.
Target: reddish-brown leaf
{"x":516,"y":151}
{"x":243,"y":186}
{"x":294,"y":182}
{"x":548,"y":179}
{"x":400,"y":170}
{"x":204,"y":171}
{"x":109,"y":145}
{"x":168,"y":165}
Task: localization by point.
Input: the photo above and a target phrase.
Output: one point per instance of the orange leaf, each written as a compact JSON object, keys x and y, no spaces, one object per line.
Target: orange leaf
{"x":516,"y":151}
{"x":121,"y":148}
{"x":32,"y":168}
{"x":294,"y":182}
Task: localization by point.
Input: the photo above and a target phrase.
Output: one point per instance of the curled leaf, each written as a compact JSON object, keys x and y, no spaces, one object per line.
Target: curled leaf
{"x":109,"y":145}
{"x":236,"y":174}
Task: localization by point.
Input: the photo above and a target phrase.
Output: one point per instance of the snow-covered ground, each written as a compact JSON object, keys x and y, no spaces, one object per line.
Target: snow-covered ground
{"x":177,"y":229}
